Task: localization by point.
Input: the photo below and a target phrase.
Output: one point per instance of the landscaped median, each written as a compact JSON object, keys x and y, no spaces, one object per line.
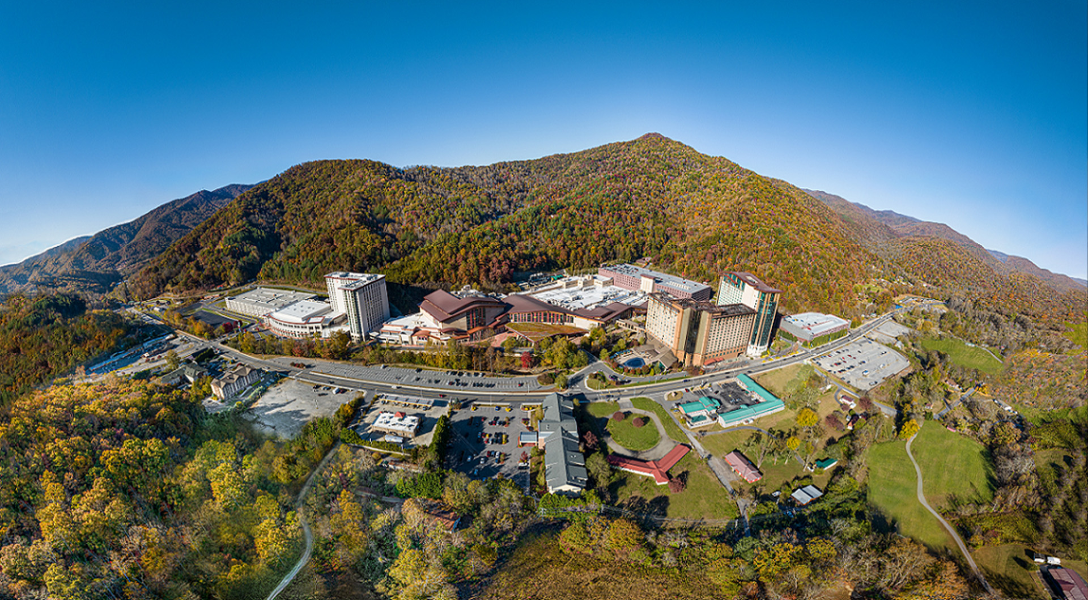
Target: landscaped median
{"x":627,"y":433}
{"x":671,"y":428}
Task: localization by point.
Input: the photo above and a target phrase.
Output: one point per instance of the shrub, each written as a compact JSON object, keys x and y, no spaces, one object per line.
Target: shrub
{"x":675,"y":485}
{"x":618,"y":416}
{"x":545,"y":379}
{"x":638,"y":421}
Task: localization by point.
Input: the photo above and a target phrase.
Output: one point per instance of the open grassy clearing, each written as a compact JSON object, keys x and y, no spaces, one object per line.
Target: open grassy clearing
{"x":602,"y":409}
{"x":952,"y":464}
{"x":723,"y":443}
{"x":1078,"y":334}
{"x":539,"y":570}
{"x":671,"y":428}
{"x":964,"y":355}
{"x":891,"y":483}
{"x":1009,"y":568}
{"x":704,"y":497}
{"x":776,"y":381}
{"x":627,"y":435}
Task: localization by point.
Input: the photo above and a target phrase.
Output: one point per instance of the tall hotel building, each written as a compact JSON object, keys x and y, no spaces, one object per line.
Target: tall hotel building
{"x":362,"y":297}
{"x":699,"y":333}
{"x":744,"y":288}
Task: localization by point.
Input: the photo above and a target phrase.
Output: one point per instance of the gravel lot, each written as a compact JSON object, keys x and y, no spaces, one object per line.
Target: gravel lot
{"x":288,"y":405}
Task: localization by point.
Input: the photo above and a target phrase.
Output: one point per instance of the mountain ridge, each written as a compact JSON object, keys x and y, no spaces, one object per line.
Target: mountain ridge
{"x":905,"y":226}
{"x":693,"y":214}
{"x":93,"y":263}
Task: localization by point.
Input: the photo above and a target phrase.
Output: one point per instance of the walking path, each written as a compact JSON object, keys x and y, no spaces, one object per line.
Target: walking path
{"x":951,"y":531}
{"x":306,"y":533}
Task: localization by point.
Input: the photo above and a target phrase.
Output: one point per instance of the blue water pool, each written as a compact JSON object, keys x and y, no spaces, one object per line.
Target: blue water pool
{"x":634,"y":363}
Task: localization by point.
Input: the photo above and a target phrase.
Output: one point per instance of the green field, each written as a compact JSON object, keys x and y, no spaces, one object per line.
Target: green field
{"x":602,"y":409}
{"x":721,"y":444}
{"x":627,"y":435}
{"x":964,"y":355}
{"x":952,"y":464}
{"x":704,"y":497}
{"x":776,"y":381}
{"x":1009,"y":567}
{"x":671,"y":427}
{"x":1078,"y":333}
{"x":892,"y":490}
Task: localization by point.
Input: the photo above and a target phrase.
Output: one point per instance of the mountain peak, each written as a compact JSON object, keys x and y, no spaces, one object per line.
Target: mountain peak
{"x":652,"y":136}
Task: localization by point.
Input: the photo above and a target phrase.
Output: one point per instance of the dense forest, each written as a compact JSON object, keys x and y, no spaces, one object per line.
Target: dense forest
{"x":125,"y":489}
{"x":47,"y":336}
{"x":693,"y":214}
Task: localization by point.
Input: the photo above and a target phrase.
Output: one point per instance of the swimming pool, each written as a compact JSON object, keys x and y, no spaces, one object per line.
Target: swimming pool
{"x":634,"y":363}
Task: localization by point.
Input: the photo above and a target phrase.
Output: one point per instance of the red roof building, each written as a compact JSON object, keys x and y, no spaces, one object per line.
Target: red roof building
{"x":1067,"y":584}
{"x":658,"y":469}
{"x":743,"y":467}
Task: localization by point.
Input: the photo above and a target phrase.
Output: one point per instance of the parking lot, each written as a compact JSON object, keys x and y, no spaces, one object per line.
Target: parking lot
{"x":454,"y":381}
{"x":484,"y":442}
{"x":383,"y":403}
{"x":863,"y":364}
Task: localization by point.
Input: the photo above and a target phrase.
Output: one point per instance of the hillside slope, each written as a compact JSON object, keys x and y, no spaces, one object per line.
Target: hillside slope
{"x":878,"y":227}
{"x":692,"y":214}
{"x":91,"y":263}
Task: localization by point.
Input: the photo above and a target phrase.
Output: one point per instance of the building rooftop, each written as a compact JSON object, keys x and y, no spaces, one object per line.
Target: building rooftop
{"x":588,"y":293}
{"x":303,"y":311}
{"x":753,"y":281}
{"x":444,"y":306}
{"x":1067,"y":583}
{"x":744,"y":467}
{"x":728,"y":310}
{"x":397,"y":422}
{"x":704,"y":403}
{"x":672,"y":281}
{"x":272,"y":298}
{"x":658,"y":469}
{"x":806,"y":494}
{"x":816,"y":323}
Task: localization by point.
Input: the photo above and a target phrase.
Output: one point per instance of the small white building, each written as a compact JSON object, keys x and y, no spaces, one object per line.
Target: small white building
{"x":397,"y":424}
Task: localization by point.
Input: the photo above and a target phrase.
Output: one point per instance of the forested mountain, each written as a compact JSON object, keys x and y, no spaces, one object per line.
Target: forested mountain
{"x":92,"y":263}
{"x":692,"y":214}
{"x":877,"y":227}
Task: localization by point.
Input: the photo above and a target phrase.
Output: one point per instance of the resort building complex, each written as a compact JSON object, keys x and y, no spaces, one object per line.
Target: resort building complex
{"x":697,"y":332}
{"x":737,"y":287}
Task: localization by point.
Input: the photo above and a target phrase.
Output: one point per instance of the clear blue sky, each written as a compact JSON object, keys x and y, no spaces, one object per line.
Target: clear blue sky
{"x":972,"y":115}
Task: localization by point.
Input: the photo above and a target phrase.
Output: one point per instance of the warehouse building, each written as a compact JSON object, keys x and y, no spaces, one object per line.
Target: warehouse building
{"x":810,"y":326}
{"x":263,"y":301}
{"x":564,"y":464}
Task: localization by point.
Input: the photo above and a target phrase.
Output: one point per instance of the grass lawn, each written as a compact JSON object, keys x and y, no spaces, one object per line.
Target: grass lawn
{"x":776,"y":381}
{"x":627,"y":435}
{"x":671,"y":427}
{"x":952,"y":464}
{"x":1078,"y":334}
{"x":964,"y":355}
{"x":721,"y":444}
{"x":1009,"y":568}
{"x":704,"y":496}
{"x":602,"y":409}
{"x":892,"y":490}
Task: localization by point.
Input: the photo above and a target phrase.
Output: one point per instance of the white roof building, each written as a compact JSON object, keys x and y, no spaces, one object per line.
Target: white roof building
{"x":305,"y":318}
{"x":396,"y":423}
